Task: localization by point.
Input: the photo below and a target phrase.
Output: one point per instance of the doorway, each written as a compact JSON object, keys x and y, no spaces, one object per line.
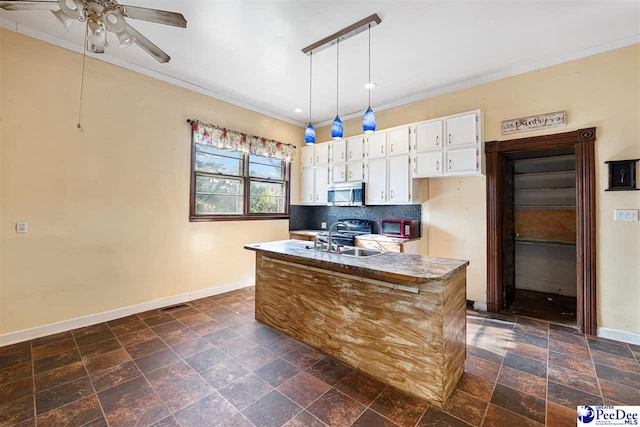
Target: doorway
{"x":505,"y":219}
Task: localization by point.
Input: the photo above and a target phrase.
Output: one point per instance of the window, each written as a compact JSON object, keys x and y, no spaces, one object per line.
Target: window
{"x":231,"y":185}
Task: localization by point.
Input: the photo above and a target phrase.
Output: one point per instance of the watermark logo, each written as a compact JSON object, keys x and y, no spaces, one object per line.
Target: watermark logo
{"x":586,"y":414}
{"x":589,"y":416}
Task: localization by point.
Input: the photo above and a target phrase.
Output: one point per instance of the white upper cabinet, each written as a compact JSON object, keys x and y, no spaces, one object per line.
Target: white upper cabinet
{"x":449,"y":146}
{"x":399,"y":180}
{"x":355,"y":149}
{"x":461,"y":130}
{"x":322,"y":153}
{"x":377,"y":145}
{"x":307,"y":157}
{"x":376,"y":187}
{"x":321,"y":185}
{"x":316,"y":154}
{"x":398,"y":141}
{"x":428,"y":136}
{"x":339,"y":151}
{"x":462,"y":161}
{"x":307,"y":187}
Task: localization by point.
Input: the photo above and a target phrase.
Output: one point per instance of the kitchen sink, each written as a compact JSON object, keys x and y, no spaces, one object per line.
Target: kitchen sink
{"x":361,"y":252}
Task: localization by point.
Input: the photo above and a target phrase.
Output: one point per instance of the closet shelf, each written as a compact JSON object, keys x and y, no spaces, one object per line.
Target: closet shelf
{"x":544,"y":242}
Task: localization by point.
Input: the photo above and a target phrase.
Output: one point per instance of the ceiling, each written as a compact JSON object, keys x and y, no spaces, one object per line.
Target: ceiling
{"x":249,"y":52}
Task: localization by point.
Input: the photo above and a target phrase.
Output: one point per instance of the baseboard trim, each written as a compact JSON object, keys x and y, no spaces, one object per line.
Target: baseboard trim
{"x":617,"y":335}
{"x":92,"y":319}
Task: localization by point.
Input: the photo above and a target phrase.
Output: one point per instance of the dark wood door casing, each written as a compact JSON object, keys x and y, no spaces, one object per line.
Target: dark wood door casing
{"x":583,"y":141}
{"x":508,"y":233}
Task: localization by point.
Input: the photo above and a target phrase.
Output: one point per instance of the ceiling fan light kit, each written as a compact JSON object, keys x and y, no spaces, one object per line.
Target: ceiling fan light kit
{"x":369,"y":118}
{"x":102,"y":16}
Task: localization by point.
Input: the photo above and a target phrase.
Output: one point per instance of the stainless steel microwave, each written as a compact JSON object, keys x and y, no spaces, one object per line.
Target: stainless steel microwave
{"x":346,"y":194}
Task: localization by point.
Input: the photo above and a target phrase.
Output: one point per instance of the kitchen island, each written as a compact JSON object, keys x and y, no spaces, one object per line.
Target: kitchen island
{"x":398,"y":317}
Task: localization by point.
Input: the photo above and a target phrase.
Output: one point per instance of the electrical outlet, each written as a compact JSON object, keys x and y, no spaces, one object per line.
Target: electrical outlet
{"x":21,"y":227}
{"x":323,"y":225}
{"x":630,"y":215}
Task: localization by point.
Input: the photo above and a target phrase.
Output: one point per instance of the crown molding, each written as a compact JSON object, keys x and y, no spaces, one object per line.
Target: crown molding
{"x":105,"y":57}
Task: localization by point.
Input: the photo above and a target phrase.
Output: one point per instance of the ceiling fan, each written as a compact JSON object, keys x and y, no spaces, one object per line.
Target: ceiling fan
{"x":102,"y":16}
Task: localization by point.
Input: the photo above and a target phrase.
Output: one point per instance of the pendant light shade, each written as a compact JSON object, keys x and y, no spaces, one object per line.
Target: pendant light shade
{"x":310,"y":132}
{"x":337,"y":129}
{"x":369,"y":119}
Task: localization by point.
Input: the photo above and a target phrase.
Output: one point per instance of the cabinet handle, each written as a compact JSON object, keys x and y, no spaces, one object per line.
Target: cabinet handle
{"x":342,"y":174}
{"x":318,"y":159}
{"x":350,"y":173}
{"x":437,"y":140}
{"x":449,"y":138}
{"x":382,"y":195}
{"x":342,"y":155}
{"x":392,"y":194}
{"x":382,"y":149}
{"x":317,"y":196}
{"x":449,"y":164}
{"x":437,"y":165}
{"x":415,"y":165}
{"x":392,"y":148}
{"x":311,"y":197}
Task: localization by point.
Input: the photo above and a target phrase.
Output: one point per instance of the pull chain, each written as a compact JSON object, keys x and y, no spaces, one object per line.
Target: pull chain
{"x":84,"y":57}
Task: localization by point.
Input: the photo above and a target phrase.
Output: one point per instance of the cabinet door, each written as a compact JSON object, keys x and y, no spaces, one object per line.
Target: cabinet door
{"x":307,"y":189}
{"x":307,"y":156}
{"x":377,"y":143}
{"x":429,"y":136}
{"x":322,"y":153}
{"x":461,"y":161}
{"x":399,"y":180}
{"x":355,"y":149}
{"x":377,"y":182}
{"x":322,"y":181}
{"x":338,"y":172}
{"x":339,"y":151}
{"x":355,"y":171}
{"x":398,"y":141}
{"x":428,"y":164}
{"x":461,"y":130}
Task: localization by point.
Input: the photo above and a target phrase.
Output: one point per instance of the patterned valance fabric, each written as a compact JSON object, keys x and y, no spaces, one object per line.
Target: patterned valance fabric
{"x":233,"y":140}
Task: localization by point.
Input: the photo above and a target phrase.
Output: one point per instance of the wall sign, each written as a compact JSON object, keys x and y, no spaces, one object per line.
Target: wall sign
{"x":541,"y":121}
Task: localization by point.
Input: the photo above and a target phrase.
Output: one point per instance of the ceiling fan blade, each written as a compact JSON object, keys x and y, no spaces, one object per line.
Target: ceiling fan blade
{"x":155,"y":15}
{"x":147,"y":46}
{"x":29,"y":5}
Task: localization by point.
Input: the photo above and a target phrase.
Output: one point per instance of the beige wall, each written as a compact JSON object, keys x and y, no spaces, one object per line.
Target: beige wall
{"x":601,"y":91}
{"x":107,"y":205}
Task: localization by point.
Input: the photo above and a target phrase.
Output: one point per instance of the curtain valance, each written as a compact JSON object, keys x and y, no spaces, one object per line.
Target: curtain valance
{"x":218,"y":137}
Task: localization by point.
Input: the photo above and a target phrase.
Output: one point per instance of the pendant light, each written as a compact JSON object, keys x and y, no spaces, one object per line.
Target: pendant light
{"x":310,"y":132}
{"x":369,"y":119}
{"x":336,"y":127}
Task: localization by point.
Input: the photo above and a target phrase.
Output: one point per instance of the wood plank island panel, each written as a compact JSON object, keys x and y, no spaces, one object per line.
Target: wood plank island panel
{"x":412,"y":341}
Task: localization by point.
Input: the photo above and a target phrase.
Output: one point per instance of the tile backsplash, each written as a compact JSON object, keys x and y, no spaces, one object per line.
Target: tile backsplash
{"x":311,"y":217}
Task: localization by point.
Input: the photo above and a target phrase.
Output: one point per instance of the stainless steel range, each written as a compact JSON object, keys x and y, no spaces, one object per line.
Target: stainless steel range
{"x":344,"y":237}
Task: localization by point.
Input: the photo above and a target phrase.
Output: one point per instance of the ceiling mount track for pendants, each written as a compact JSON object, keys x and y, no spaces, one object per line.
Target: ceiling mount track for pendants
{"x":343,"y":34}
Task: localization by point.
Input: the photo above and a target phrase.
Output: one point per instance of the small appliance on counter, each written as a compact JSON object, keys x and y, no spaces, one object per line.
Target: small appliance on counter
{"x":404,"y":228}
{"x":346,"y":194}
{"x":345,"y":237}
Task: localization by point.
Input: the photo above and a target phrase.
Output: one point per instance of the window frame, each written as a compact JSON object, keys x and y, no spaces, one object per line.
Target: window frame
{"x":246,"y":197}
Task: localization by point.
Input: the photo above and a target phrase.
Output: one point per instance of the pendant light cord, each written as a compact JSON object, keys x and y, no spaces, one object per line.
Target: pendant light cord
{"x":369,"y":82}
{"x":310,"y":82}
{"x":337,"y":73}
{"x":84,"y":57}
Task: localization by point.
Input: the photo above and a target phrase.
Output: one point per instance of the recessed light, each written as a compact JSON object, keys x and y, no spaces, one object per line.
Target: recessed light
{"x":370,"y":85}
{"x":298,"y":110}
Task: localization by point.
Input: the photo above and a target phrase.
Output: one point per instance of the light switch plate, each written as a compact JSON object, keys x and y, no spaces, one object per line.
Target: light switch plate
{"x":323,"y":225}
{"x":21,"y":227}
{"x":630,"y":215}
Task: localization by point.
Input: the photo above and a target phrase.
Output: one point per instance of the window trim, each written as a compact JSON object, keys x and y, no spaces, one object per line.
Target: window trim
{"x":193,"y":217}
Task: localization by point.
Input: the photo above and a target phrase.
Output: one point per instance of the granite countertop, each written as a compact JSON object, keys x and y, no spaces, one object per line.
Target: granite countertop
{"x":388,"y":239}
{"x":389,"y":266}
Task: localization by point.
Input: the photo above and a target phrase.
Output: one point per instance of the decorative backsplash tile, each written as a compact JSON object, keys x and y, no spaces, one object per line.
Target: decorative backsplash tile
{"x":311,"y":217}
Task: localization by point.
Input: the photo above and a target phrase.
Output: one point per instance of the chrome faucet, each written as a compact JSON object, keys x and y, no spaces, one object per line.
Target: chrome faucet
{"x":335,"y":224}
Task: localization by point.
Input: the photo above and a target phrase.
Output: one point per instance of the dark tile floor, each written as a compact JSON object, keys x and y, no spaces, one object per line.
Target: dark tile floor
{"x":209,"y":363}
{"x":559,"y":309}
